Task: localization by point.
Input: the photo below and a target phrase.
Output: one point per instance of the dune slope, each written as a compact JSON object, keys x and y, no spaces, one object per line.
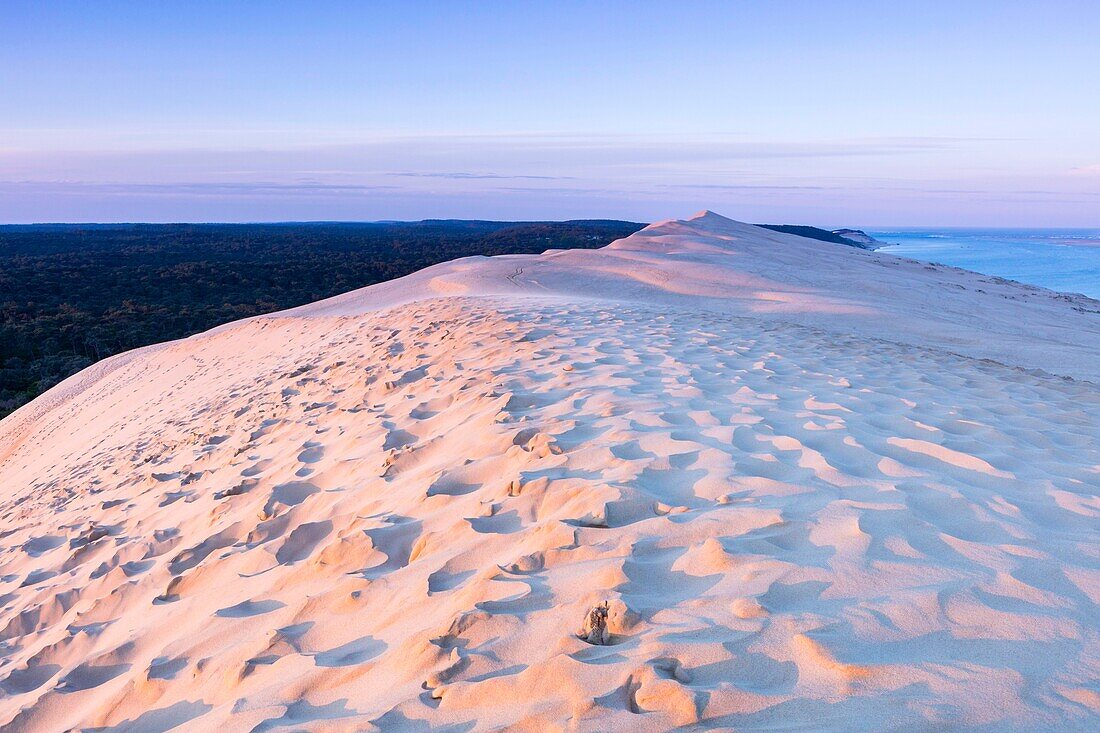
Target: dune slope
{"x":817,"y":488}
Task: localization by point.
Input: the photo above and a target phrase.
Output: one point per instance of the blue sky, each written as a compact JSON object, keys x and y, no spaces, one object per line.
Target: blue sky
{"x":833,"y":113}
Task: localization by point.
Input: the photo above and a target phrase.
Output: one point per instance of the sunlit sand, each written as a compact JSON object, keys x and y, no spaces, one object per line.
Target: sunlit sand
{"x":711,"y":476}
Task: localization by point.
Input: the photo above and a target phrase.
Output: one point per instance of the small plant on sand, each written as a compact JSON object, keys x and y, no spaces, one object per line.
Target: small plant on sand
{"x":595,"y":630}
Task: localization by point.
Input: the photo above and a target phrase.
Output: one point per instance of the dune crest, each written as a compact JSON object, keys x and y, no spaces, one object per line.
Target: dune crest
{"x":710,"y":476}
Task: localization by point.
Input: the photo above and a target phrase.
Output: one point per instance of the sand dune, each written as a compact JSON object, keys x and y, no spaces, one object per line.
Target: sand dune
{"x":806,"y":487}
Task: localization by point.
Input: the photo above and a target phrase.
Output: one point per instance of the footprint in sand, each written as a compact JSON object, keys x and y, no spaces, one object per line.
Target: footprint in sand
{"x":38,"y":546}
{"x":29,"y":678}
{"x":248,"y":609}
{"x":302,"y":541}
{"x":288,"y":495}
{"x":350,"y":654}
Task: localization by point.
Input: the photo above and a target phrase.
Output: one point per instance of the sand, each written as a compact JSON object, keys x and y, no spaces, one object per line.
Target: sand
{"x":815,"y":488}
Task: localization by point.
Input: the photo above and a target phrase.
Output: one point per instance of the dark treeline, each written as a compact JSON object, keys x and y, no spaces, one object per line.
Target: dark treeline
{"x":823,"y":235}
{"x":73,"y":294}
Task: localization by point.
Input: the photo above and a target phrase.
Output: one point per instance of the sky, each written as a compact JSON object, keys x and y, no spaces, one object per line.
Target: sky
{"x":864,"y":114}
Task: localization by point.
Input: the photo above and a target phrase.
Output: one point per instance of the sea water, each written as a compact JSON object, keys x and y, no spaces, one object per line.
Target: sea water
{"x":1067,"y":260}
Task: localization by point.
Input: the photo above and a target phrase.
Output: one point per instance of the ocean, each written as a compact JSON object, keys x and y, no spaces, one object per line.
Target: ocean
{"x":1067,"y":260}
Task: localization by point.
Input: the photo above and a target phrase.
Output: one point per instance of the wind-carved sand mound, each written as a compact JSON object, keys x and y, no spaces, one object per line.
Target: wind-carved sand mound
{"x":486,"y":511}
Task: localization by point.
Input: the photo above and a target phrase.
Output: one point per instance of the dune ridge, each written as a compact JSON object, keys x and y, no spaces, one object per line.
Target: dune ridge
{"x":818,"y":488}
